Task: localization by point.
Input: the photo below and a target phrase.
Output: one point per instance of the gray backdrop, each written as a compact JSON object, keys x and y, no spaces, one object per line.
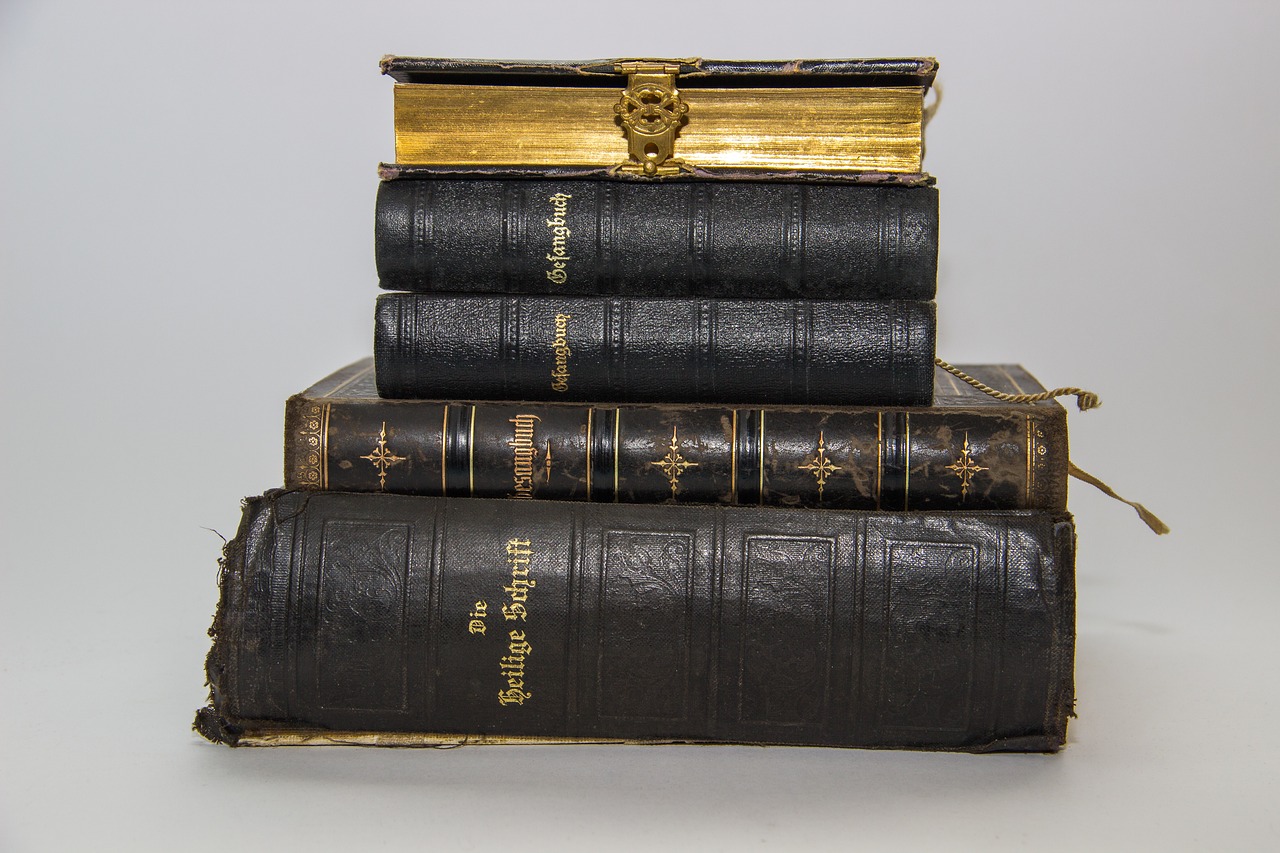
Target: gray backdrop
{"x":186,"y":193}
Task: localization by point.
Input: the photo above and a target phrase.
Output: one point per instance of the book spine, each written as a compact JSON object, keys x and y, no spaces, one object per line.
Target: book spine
{"x":830,"y":352}
{"x":385,"y":613}
{"x":929,"y":459}
{"x":729,"y":239}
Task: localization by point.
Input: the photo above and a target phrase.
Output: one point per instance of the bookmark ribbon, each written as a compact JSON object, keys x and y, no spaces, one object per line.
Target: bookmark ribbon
{"x":1148,"y":517}
{"x":1085,"y":400}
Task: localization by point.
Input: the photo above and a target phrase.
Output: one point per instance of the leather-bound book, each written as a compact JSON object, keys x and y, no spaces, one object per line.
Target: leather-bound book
{"x":967,"y":451}
{"x":642,"y":349}
{"x":391,"y":619}
{"x":532,"y":232}
{"x":663,"y":116}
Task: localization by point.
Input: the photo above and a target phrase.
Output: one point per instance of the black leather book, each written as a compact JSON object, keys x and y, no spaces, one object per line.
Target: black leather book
{"x":657,"y":117}
{"x":830,"y":352}
{"x":723,"y":238}
{"x":967,"y":451}
{"x":365,"y":618}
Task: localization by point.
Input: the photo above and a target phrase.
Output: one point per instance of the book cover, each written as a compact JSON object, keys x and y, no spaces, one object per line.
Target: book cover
{"x":353,"y":617}
{"x":570,"y":236}
{"x":663,"y":116}
{"x":967,"y":451}
{"x":639,"y":349}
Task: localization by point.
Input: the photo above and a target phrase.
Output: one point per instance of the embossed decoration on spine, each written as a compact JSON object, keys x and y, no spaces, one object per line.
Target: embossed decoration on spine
{"x":760,"y":444}
{"x":965,"y":468}
{"x":906,"y":461}
{"x":733,"y":458}
{"x":617,"y":449}
{"x":587,"y":447}
{"x":821,"y":467}
{"x":382,"y":457}
{"x":895,"y":460}
{"x":643,"y":647}
{"x":602,"y":456}
{"x":749,"y":457}
{"x":879,"y":457}
{"x":311,"y":467}
{"x":651,"y":111}
{"x":784,"y":663}
{"x":360,"y":589}
{"x":674,"y":464}
{"x":1037,"y":451}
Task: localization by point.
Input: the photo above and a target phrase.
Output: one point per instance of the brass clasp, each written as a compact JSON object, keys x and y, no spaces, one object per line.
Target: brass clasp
{"x":651,"y":112}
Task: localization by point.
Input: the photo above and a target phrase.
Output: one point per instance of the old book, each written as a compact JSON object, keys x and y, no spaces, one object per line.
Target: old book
{"x":724,"y":238}
{"x":967,"y":451}
{"x":662,"y":116}
{"x":637,"y":349}
{"x":367,"y":618}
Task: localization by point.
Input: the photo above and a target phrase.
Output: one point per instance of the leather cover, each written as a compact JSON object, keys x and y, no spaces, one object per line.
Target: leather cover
{"x":413,"y":171}
{"x":389,"y":613}
{"x":724,"y":238}
{"x":654,"y":350}
{"x":968,"y":451}
{"x":693,"y":72}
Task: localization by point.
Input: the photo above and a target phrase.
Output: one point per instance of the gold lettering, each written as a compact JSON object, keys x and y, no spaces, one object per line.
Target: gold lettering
{"x":479,"y":611}
{"x":524,"y":454}
{"x":511,"y":666}
{"x":560,"y":346}
{"x":519,"y":590}
{"x":514,"y":696}
{"x":559,"y":257}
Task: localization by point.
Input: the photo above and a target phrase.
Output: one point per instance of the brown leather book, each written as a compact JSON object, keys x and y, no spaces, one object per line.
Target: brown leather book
{"x":967,"y":451}
{"x":390,"y":619}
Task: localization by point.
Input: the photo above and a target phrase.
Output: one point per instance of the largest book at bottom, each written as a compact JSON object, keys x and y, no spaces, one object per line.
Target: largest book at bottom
{"x":400,"y":619}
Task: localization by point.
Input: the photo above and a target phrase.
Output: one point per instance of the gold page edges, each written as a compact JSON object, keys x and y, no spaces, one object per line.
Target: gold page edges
{"x":323,"y":737}
{"x":846,"y":129}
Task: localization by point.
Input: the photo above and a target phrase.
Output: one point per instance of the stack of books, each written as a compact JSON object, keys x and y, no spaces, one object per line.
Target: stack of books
{"x":652,"y":447}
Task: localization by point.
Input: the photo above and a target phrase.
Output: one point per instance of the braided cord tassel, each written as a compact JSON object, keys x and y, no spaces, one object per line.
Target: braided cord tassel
{"x":1086,"y":400}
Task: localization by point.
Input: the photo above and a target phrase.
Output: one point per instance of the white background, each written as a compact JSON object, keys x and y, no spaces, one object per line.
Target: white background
{"x":186,"y":212}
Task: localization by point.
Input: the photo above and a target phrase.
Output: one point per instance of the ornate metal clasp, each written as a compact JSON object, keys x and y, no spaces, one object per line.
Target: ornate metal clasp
{"x":651,"y":112}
